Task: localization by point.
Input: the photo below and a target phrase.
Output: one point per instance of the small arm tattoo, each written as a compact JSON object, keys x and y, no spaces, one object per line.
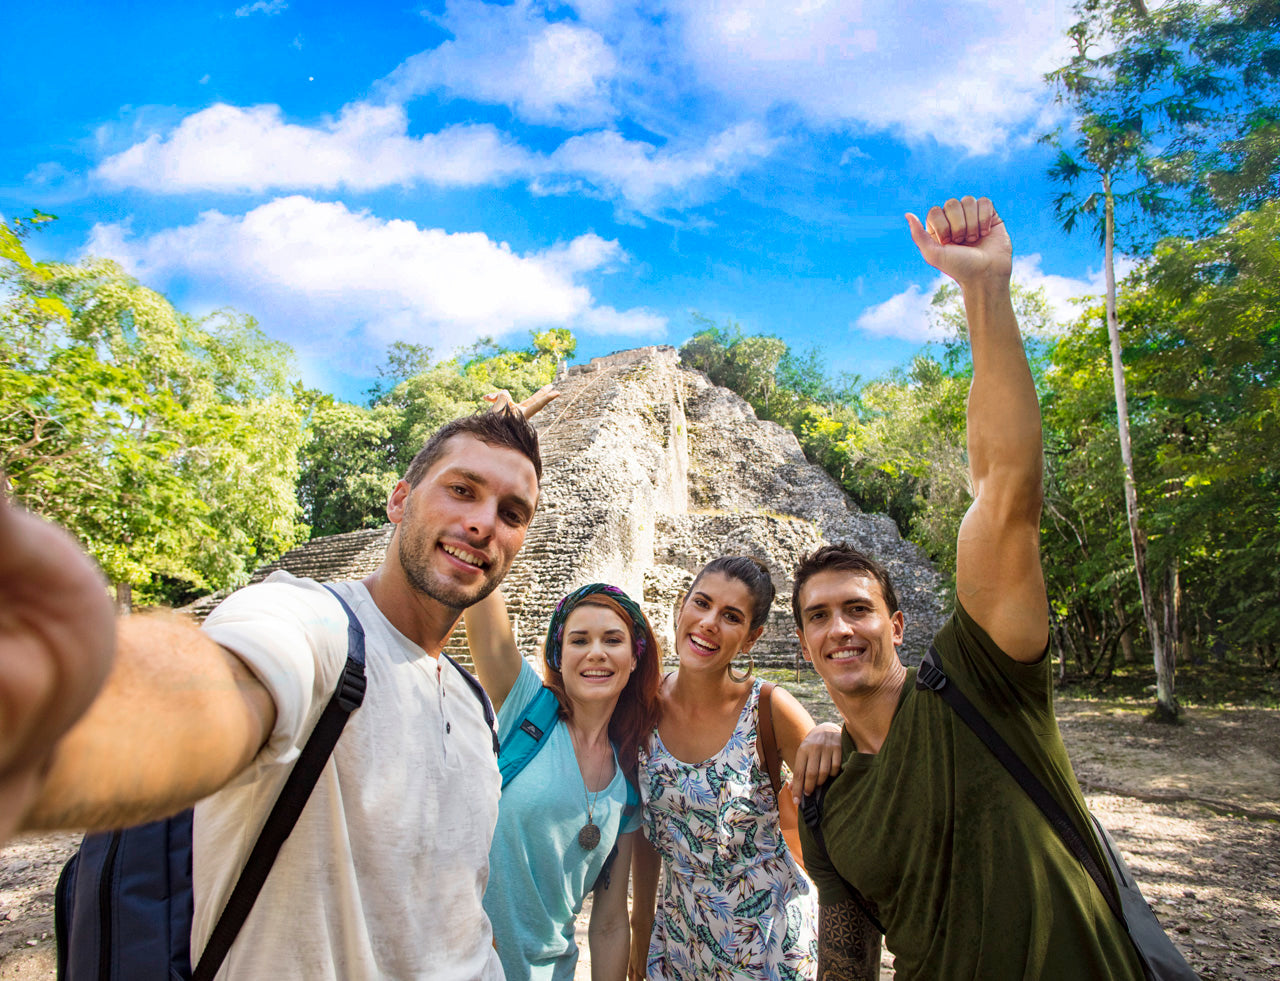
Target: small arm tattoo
{"x":848,"y":944}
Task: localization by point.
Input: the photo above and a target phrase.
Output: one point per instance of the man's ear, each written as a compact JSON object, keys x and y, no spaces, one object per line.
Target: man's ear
{"x":899,"y":627}
{"x":396,"y":501}
{"x":804,"y":648}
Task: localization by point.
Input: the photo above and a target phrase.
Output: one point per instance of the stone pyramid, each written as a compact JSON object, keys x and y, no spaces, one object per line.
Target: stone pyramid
{"x":650,"y":471}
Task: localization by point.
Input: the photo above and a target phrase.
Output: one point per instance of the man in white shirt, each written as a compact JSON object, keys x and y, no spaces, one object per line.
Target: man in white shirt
{"x":384,"y":873}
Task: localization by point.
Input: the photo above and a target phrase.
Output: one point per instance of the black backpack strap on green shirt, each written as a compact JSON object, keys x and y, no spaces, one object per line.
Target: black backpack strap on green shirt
{"x":931,"y":677}
{"x":1161,"y":961}
{"x":811,"y":811}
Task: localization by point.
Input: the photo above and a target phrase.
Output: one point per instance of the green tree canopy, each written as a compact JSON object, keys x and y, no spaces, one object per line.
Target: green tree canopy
{"x":1201,"y":329}
{"x":354,"y":455}
{"x":166,"y":443}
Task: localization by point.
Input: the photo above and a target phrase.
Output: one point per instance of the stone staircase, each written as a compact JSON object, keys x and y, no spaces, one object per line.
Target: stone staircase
{"x":650,"y":471}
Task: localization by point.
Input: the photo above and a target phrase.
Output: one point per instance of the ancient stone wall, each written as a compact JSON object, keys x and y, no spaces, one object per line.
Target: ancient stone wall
{"x":649,"y":472}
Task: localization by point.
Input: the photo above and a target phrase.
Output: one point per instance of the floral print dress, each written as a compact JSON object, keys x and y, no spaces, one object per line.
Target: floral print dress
{"x":734,"y":903}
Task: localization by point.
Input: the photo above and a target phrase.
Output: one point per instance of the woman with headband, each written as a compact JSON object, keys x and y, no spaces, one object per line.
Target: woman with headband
{"x":569,"y":807}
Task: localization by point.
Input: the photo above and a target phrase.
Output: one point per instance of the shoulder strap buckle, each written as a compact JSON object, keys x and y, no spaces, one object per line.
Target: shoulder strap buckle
{"x":351,"y":686}
{"x":811,"y":810}
{"x":930,"y":675}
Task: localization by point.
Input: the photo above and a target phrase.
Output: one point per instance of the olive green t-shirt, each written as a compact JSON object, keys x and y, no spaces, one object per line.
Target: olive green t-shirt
{"x":967,"y":876}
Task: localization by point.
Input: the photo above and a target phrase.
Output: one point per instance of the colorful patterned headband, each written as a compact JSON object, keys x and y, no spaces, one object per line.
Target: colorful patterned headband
{"x":555,"y":629}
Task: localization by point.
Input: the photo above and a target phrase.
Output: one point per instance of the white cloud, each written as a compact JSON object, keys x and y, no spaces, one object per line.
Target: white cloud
{"x":226,"y":148}
{"x":644,"y":175}
{"x":964,"y":72}
{"x":967,"y":73}
{"x":557,"y":73}
{"x":233,"y":150}
{"x":853,"y":153}
{"x":328,"y":279}
{"x":905,"y":315}
{"x":268,"y":7}
{"x":1068,"y":296}
{"x":909,"y":315}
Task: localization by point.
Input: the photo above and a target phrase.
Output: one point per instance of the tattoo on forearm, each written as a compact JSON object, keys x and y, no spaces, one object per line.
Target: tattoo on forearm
{"x":848,"y":944}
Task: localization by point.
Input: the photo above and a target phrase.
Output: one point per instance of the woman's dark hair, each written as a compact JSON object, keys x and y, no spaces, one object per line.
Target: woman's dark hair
{"x":637,"y":711}
{"x":752,"y":573}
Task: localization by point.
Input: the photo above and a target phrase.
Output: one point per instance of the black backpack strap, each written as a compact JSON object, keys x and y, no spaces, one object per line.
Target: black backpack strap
{"x":284,"y":815}
{"x":811,"y":811}
{"x":486,"y":705}
{"x":931,"y":677}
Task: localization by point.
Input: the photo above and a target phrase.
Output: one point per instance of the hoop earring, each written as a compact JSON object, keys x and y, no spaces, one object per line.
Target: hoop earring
{"x":751,"y":666}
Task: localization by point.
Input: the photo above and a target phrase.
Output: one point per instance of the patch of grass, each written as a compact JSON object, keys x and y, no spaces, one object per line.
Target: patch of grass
{"x":809,"y":691}
{"x":1208,"y":684}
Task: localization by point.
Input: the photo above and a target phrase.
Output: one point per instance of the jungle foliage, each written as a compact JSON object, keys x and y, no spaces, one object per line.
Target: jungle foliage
{"x":166,"y":443}
{"x":1200,"y":322}
{"x":183,"y":452}
{"x":354,"y":454}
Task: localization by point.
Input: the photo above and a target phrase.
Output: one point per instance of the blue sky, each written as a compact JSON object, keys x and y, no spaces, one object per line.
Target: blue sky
{"x":439,"y":172}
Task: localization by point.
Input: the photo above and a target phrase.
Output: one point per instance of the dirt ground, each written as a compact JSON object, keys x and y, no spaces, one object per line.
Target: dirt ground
{"x":1195,"y":808}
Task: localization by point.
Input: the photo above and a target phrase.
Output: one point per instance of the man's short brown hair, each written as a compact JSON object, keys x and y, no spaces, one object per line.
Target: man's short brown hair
{"x":505,"y":427}
{"x":840,"y":557}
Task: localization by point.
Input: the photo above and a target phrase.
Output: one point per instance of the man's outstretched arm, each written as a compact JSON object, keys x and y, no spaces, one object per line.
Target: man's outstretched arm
{"x":57,"y":643}
{"x":178,"y":717}
{"x":848,"y":944}
{"x":998,"y":576}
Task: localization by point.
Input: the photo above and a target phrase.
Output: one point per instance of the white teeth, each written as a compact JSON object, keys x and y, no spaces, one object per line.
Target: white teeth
{"x":844,"y":655}
{"x":699,"y":645}
{"x":464,"y":556}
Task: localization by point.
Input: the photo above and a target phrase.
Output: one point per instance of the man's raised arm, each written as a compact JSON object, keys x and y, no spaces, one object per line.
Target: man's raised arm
{"x":998,"y":575}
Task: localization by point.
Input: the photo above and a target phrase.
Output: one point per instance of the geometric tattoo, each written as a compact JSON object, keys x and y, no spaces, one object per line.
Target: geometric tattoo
{"x":848,"y":944}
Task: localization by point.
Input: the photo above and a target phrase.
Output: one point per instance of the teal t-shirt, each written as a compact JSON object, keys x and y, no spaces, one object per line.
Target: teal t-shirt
{"x":968,"y":877}
{"x":538,"y":873}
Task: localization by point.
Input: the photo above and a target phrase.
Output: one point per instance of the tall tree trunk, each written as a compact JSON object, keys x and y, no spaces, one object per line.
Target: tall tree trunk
{"x":1166,"y":706}
{"x":1171,"y":595}
{"x":1187,"y":631}
{"x":124,"y":597}
{"x":1126,"y":639}
{"x":1090,"y":637}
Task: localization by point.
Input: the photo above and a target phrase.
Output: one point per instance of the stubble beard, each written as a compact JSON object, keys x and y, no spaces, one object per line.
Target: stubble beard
{"x":415,"y":557}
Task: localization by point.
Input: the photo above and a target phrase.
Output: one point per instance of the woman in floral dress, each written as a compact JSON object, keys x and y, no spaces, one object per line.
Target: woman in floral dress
{"x":734,"y":902}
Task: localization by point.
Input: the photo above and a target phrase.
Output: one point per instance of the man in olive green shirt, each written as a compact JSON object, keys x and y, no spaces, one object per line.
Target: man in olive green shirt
{"x":944,"y":848}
